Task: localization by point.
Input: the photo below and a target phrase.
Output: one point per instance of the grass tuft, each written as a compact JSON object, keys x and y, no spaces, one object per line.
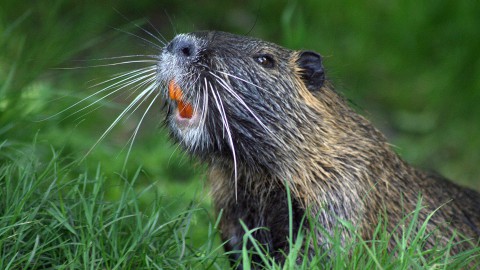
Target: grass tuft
{"x":49,"y":219}
{"x":408,"y":250}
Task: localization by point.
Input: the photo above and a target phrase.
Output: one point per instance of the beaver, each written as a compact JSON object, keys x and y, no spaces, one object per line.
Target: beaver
{"x":267,"y":121}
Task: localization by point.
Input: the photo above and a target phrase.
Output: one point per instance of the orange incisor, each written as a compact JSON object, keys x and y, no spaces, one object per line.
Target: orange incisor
{"x":175,"y":93}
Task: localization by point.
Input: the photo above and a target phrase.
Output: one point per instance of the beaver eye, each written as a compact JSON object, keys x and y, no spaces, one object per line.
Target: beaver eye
{"x":265,"y":60}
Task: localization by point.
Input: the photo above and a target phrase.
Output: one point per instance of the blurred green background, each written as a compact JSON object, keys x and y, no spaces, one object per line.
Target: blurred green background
{"x":412,"y":67}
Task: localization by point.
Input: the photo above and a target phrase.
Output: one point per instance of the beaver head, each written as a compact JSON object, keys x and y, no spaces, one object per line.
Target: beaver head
{"x":239,"y":98}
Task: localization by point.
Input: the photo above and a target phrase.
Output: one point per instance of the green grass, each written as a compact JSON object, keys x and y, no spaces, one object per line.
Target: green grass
{"x":408,"y":251}
{"x":53,"y":218}
{"x":410,"y":67}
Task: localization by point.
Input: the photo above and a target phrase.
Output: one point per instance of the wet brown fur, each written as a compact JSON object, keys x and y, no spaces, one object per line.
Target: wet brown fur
{"x":337,"y":166}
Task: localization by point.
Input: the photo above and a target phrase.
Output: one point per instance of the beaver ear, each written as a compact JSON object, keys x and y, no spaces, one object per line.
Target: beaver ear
{"x":312,"y":69}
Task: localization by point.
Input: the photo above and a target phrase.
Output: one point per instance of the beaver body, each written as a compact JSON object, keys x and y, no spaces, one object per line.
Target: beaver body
{"x":265,"y":118}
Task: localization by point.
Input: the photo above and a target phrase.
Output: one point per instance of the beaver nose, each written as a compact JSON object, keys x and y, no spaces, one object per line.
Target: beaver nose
{"x":182,"y":46}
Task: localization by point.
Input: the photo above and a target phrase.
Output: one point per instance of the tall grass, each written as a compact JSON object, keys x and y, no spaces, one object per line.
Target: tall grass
{"x":407,"y":251}
{"x":404,"y":248}
{"x":51,"y":218}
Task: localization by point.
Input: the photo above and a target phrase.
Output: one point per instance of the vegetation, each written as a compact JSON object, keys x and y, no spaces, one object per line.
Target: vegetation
{"x":52,"y":220}
{"x":411,"y":67}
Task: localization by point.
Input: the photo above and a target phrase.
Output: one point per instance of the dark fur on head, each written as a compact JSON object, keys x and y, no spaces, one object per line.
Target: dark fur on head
{"x":266,"y":116}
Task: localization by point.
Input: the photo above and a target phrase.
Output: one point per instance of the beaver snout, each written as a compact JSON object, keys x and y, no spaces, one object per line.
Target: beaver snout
{"x":183,"y":46}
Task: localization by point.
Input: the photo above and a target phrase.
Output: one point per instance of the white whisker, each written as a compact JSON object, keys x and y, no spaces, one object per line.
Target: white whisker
{"x":221,"y":110}
{"x":154,"y":56}
{"x":163,"y":43}
{"x":160,"y":47}
{"x":125,"y":77}
{"x":144,"y":30}
{"x":230,"y":90}
{"x":240,"y":79}
{"x":203,"y":117}
{"x":120,"y":87}
{"x":161,"y":39}
{"x":109,"y":65}
{"x":139,"y":72}
{"x":119,"y":117}
{"x":151,"y":89}
{"x":150,"y":82}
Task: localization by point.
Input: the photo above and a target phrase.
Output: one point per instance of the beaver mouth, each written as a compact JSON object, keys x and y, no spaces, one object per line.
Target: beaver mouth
{"x":185,"y":115}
